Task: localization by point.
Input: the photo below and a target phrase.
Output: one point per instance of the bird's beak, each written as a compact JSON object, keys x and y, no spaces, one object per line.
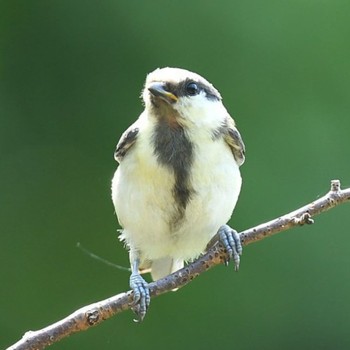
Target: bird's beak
{"x":159,"y":90}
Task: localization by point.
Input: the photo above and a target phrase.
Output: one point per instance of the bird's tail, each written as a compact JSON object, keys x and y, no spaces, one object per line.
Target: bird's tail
{"x":165,"y":266}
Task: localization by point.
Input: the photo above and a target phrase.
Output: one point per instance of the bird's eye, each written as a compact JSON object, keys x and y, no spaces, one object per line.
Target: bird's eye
{"x":192,"y":89}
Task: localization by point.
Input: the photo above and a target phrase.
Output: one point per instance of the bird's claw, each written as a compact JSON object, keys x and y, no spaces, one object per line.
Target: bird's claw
{"x":232,"y":243}
{"x":141,"y":298}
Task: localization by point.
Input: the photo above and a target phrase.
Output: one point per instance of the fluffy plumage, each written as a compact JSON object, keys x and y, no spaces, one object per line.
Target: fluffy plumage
{"x":178,"y":179}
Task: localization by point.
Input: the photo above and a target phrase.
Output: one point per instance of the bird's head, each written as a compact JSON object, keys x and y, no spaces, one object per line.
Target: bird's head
{"x":180,"y":96}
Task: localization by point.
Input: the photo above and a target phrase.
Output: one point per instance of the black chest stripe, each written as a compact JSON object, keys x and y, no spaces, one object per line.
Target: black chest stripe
{"x":175,"y":151}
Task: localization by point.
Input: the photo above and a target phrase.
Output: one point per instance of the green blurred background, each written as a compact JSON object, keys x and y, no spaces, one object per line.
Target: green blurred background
{"x":70,"y":77}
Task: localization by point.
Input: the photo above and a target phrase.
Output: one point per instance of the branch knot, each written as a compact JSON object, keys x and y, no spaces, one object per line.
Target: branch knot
{"x":304,"y":219}
{"x":92,"y":317}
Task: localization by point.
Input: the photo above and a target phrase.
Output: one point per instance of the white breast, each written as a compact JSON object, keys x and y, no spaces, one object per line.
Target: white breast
{"x":142,"y":196}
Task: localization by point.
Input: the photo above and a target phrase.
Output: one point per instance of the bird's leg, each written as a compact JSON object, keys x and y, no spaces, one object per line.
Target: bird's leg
{"x":140,"y":288}
{"x":232,"y":243}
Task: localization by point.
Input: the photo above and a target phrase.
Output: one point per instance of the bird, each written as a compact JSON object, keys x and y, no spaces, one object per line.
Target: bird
{"x":178,"y":178}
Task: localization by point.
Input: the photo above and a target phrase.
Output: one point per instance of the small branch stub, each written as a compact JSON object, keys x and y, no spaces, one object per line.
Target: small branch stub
{"x":335,"y":185}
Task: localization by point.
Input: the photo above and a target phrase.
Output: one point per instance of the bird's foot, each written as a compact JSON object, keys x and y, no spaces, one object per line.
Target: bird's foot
{"x":232,"y":243}
{"x":141,"y":298}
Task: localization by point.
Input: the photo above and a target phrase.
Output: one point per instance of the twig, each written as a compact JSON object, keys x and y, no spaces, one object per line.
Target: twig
{"x":95,"y":313}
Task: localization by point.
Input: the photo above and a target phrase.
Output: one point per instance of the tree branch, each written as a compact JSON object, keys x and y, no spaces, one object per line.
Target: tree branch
{"x":95,"y":313}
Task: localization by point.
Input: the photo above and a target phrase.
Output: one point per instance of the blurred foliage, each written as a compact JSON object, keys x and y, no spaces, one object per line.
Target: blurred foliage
{"x":70,"y":76}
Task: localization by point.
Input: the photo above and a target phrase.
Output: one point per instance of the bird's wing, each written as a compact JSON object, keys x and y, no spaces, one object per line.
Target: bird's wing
{"x":234,"y":140}
{"x":126,"y":142}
